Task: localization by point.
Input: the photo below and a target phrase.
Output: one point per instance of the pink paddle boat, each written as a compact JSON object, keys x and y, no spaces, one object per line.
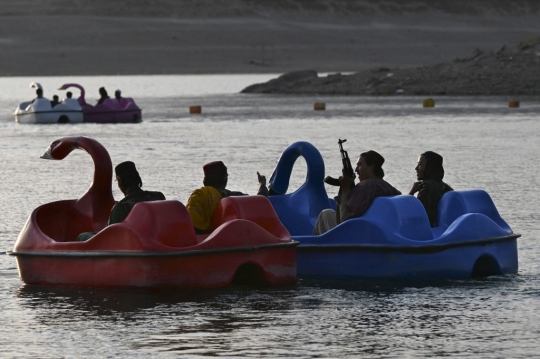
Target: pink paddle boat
{"x":156,"y":245}
{"x":110,"y":111}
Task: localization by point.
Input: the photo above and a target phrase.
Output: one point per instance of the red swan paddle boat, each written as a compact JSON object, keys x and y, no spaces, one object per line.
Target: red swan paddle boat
{"x":110,"y":111}
{"x":156,"y":245}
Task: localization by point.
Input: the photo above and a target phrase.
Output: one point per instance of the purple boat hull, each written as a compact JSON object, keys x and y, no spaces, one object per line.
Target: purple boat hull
{"x":124,"y":110}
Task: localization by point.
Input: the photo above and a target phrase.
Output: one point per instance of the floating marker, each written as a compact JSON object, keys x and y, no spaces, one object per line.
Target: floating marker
{"x":513,"y":103}
{"x":428,"y":102}
{"x":195,"y":109}
{"x":319,"y":106}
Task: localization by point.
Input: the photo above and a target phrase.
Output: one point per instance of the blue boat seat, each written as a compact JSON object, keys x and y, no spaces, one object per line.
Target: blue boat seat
{"x":457,"y":203}
{"x":401,"y":215}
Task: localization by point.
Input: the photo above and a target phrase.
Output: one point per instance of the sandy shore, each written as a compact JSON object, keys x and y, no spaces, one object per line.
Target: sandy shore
{"x":61,"y":37}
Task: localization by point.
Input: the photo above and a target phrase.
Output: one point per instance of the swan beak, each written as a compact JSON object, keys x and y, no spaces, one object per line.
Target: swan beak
{"x":48,"y":155}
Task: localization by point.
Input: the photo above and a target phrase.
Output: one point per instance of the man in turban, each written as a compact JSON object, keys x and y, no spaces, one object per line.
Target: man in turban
{"x":203,"y":201}
{"x":430,"y":185}
{"x":130,"y":183}
{"x":353,"y":201}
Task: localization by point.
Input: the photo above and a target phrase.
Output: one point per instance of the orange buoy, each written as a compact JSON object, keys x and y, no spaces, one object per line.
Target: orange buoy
{"x":428,"y":102}
{"x":319,"y":106}
{"x":195,"y":109}
{"x":513,"y":103}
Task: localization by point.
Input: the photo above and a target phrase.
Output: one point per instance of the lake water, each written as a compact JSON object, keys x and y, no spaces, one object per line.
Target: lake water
{"x":485,"y":144}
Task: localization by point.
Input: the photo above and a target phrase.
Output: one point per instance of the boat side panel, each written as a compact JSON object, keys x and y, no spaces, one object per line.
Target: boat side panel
{"x":192,"y":272}
{"x":369,"y":264}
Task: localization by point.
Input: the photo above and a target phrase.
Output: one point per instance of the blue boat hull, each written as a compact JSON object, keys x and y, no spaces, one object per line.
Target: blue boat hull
{"x":406,"y":264}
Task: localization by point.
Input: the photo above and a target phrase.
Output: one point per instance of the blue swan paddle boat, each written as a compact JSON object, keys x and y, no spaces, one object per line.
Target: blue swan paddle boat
{"x":393,"y":240}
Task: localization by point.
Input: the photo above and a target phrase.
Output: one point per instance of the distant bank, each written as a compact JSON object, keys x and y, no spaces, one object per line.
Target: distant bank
{"x":64,"y":37}
{"x":512,"y":70}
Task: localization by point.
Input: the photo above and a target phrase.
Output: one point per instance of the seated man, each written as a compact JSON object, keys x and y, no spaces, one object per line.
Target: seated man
{"x":55,"y":101}
{"x":39,"y":94}
{"x":203,"y":201}
{"x":130,"y":183}
{"x":430,"y":185}
{"x":353,"y":201}
{"x":70,"y":101}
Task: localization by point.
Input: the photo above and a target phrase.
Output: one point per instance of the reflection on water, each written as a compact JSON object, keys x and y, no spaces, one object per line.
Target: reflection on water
{"x":311,"y":319}
{"x":485,"y":145}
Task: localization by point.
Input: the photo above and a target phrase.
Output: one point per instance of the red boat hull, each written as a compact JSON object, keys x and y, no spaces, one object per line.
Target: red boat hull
{"x":269,"y":267}
{"x":156,"y":247}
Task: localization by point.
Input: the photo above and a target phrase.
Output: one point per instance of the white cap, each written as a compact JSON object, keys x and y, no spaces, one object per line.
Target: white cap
{"x":118,"y":90}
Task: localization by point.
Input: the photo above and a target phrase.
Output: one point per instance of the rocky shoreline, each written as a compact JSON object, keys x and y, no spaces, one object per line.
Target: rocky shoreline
{"x":512,"y":70}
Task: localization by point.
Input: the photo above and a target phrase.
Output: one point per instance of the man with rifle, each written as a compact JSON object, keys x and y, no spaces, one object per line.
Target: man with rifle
{"x":354,"y":200}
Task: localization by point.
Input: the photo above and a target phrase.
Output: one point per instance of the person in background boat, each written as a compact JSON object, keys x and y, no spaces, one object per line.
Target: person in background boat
{"x":55,"y":101}
{"x":130,"y":183}
{"x":39,"y":94}
{"x":104,"y":95}
{"x":203,"y":201}
{"x":118,"y":95}
{"x":70,"y":101}
{"x":430,"y":186}
{"x":354,"y":200}
{"x":263,"y":189}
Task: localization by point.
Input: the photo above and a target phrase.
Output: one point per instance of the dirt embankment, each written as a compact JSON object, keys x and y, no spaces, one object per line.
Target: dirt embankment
{"x":103,"y":37}
{"x":512,"y":70}
{"x":193,"y":9}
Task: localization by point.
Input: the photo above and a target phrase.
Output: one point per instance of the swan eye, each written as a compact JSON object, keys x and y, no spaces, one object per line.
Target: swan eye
{"x":54,"y":144}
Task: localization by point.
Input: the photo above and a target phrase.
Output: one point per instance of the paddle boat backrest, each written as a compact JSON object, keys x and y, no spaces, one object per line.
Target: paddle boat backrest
{"x":403,"y":215}
{"x":24,"y":105}
{"x":41,"y":104}
{"x":457,"y":203}
{"x":298,"y":211}
{"x":257,"y":209}
{"x":72,"y":103}
{"x":165,"y":222}
{"x":60,"y":221}
{"x":124,"y":103}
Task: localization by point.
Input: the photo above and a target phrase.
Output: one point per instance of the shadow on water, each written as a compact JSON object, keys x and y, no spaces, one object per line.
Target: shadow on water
{"x":229,"y":321}
{"x":103,"y":302}
{"x":135,"y":304}
{"x":397,"y":287}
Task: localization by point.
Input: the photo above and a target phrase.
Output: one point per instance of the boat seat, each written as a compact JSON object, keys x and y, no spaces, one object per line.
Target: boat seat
{"x":403,"y":215}
{"x":257,"y":209}
{"x":41,"y":104}
{"x":165,"y":222}
{"x":457,"y":203}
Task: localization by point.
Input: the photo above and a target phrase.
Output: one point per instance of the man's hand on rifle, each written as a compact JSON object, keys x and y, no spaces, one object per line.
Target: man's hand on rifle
{"x":345,"y":183}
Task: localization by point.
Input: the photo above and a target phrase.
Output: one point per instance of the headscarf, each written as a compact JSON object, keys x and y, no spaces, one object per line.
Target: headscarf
{"x":434,"y":166}
{"x":201,"y":206}
{"x":375,"y":159}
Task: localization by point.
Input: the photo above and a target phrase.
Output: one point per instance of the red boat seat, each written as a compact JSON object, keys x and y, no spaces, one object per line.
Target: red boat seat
{"x":165,"y":222}
{"x":257,"y":209}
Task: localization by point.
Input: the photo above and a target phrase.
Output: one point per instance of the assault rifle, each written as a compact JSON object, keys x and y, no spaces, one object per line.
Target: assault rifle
{"x":347,"y":167}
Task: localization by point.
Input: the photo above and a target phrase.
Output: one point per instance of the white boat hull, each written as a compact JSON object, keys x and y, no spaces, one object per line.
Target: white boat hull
{"x":41,"y":112}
